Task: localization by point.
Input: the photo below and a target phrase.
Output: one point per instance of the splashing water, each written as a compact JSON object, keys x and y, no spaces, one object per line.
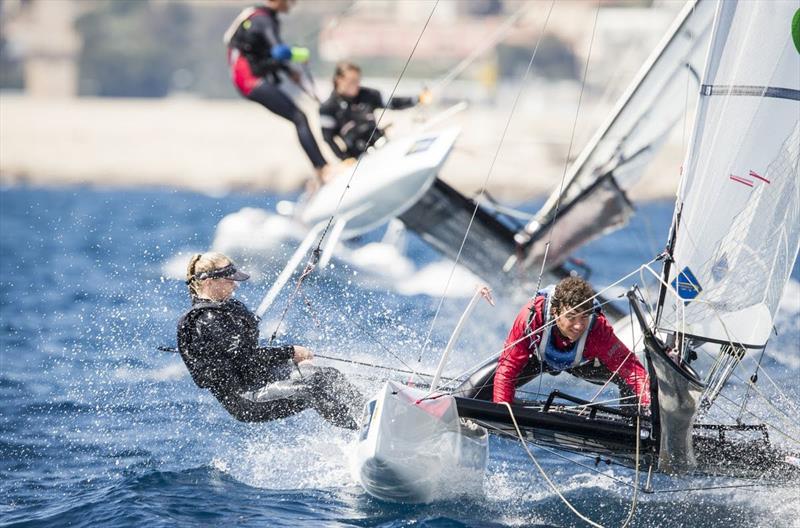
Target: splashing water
{"x":99,"y":428}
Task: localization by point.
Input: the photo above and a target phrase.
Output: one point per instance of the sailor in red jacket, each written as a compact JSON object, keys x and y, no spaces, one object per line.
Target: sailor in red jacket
{"x":564,"y":327}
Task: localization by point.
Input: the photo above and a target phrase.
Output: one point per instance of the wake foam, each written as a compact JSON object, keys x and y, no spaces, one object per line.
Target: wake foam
{"x":432,"y":280}
{"x":175,"y":267}
{"x":264,"y":241}
{"x":252,"y":231}
{"x":301,"y":452}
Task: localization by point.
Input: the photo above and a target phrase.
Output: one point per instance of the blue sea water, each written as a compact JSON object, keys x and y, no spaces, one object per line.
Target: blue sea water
{"x":98,"y":428}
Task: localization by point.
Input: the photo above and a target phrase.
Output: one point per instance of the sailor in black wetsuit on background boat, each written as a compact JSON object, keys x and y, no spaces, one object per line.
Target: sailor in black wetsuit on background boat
{"x":348,"y":116}
{"x":218,"y":341}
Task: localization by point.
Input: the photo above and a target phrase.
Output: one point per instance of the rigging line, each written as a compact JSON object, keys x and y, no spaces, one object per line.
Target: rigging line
{"x":766,"y":399}
{"x":733,"y":373}
{"x":306,"y":272}
{"x":759,"y":483}
{"x":732,"y":342}
{"x":546,"y":325}
{"x":315,"y":253}
{"x":647,"y":239}
{"x":566,"y":166}
{"x":777,"y":388}
{"x":486,"y":181}
{"x":543,"y":473}
{"x":375,"y":340}
{"x":644,"y":292}
{"x":569,"y":149}
{"x":498,"y":34}
{"x":779,"y":430}
{"x":564,"y":457}
{"x":636,"y":474}
{"x":377,"y":124}
{"x":753,"y":380}
{"x":710,"y":488}
{"x":731,"y":416}
{"x":332,"y":23}
{"x":586,"y":466}
{"x":506,"y":347}
{"x":584,"y":406}
{"x":727,"y":413}
{"x":372,"y":365}
{"x":649,"y":232}
{"x":635,"y":486}
{"x":531,"y":393}
{"x":550,"y":324}
{"x":616,"y":371}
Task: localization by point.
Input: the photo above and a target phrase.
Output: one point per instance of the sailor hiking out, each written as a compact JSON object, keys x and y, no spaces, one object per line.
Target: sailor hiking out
{"x":218,"y":341}
{"x":563,"y":329}
{"x":257,"y":58}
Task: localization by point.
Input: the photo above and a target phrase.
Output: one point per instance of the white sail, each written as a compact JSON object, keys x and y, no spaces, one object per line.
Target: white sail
{"x":738,"y":208}
{"x":593,"y":200}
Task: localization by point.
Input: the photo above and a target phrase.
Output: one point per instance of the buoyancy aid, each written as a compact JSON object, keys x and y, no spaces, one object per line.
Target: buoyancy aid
{"x":353,"y":120}
{"x":546,"y":350}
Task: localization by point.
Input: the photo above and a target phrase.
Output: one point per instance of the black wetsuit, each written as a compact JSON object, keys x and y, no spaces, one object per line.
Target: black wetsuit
{"x":218,"y":342}
{"x":255,"y":72}
{"x":352,"y":120}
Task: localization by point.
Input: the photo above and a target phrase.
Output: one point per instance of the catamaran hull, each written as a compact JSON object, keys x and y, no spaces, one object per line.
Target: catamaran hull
{"x":383,"y":184}
{"x":739,"y":451}
{"x":414,"y":451}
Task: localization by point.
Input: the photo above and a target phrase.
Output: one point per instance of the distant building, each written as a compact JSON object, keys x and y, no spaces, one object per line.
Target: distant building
{"x":43,"y":34}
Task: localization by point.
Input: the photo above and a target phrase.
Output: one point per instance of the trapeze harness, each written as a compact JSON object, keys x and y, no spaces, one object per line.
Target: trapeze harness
{"x":256,"y":55}
{"x":353,"y":120}
{"x":185,"y":325}
{"x":249,"y":47}
{"x":256,"y":384}
{"x":554,"y":358}
{"x":242,"y":336}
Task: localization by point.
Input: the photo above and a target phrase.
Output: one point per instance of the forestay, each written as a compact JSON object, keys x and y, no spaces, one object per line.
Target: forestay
{"x":593,"y":199}
{"x":738,"y":207}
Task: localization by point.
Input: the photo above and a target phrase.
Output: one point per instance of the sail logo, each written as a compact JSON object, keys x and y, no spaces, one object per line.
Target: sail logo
{"x":751,"y":181}
{"x":687,"y":285}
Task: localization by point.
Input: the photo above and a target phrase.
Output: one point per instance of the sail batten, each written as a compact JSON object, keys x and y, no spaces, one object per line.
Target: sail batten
{"x":747,"y":90}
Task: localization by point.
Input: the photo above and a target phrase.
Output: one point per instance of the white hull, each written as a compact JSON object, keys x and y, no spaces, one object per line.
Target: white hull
{"x":418,"y":452}
{"x":386,"y":183}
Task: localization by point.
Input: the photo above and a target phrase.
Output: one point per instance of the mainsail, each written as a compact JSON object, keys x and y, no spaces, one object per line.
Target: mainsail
{"x":734,"y":241}
{"x":738,"y":210}
{"x":593,"y":200}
